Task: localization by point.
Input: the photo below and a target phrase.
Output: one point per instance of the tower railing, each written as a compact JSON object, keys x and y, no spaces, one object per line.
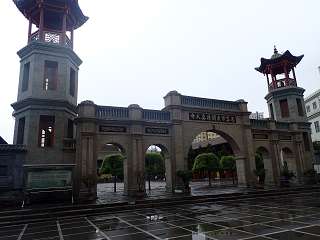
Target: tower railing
{"x":111,"y":112}
{"x":50,"y":36}
{"x":155,"y":115}
{"x":258,"y":123}
{"x":209,"y":103}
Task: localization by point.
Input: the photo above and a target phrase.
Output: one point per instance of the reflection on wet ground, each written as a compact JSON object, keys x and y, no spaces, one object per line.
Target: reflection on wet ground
{"x":295,"y":217}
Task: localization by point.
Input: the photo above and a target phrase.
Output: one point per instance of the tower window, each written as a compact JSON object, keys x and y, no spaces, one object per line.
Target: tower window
{"x":72,"y":82}
{"x":25,"y":79}
{"x":46,"y":131}
{"x":299,"y":105}
{"x":284,"y":108}
{"x":316,"y":126}
{"x":70,"y":128}
{"x":50,"y":76}
{"x":314,"y":105}
{"x":20,"y":135}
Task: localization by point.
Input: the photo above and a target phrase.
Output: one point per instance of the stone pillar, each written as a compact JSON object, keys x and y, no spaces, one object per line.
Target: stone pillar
{"x":135,"y":161}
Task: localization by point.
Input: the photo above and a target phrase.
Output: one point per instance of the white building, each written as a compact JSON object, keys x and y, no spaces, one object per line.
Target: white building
{"x":312,"y":103}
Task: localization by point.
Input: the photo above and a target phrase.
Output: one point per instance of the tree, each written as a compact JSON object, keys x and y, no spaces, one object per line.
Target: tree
{"x":259,"y":161}
{"x":211,"y":149}
{"x":316,"y":145}
{"x":191,"y":157}
{"x":112,"y":164}
{"x":207,"y":162}
{"x":228,"y":163}
{"x":154,"y":164}
{"x":223,"y":152}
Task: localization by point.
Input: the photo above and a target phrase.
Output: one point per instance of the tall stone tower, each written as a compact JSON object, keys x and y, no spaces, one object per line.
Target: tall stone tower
{"x":285,"y":98}
{"x":48,"y":84}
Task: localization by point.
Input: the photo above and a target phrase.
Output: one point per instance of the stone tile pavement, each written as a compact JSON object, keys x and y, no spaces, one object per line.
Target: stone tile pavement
{"x":293,"y":216}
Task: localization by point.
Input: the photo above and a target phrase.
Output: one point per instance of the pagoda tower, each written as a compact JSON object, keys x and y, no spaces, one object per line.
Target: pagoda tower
{"x":48,"y":84}
{"x":284,"y":98}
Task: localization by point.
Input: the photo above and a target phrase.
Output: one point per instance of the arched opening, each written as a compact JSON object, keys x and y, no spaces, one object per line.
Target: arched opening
{"x":267,"y":161}
{"x":224,"y":148}
{"x":157,"y":165}
{"x":110,"y":183}
{"x":286,"y":154}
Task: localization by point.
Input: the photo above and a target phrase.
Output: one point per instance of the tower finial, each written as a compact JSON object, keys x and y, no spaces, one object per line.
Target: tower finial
{"x":275,"y":49}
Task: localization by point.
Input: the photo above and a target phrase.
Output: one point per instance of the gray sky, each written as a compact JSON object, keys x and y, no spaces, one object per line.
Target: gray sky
{"x":138,"y":51}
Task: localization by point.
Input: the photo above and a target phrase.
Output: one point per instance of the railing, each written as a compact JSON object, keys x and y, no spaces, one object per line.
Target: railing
{"x":258,"y":124}
{"x":282,"y":126}
{"x":155,"y":115}
{"x":282,"y":83}
{"x":68,"y":143}
{"x":111,"y":112}
{"x":50,"y":36}
{"x":211,"y":103}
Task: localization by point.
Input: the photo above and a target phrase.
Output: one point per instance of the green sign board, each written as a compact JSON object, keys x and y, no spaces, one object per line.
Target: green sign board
{"x":49,"y":178}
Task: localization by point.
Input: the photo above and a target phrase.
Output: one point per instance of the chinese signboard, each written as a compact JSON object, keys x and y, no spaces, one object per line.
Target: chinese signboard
{"x":157,"y":130}
{"x":49,"y":178}
{"x":282,"y":137}
{"x":212,"y":117}
{"x":112,"y":129}
{"x":260,"y":136}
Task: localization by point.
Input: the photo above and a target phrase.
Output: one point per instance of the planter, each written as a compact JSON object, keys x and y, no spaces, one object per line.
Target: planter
{"x":89,"y":197}
{"x":187,"y":190}
{"x":140,"y":193}
{"x":260,"y":185}
{"x":286,"y":184}
{"x":312,"y":182}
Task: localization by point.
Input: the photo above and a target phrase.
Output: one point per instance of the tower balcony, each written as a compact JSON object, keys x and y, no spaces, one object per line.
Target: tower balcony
{"x":50,"y":36}
{"x":282,"y":83}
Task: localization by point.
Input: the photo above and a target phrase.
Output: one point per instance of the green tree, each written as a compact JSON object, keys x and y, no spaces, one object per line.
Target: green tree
{"x":223,"y":152}
{"x":228,"y":163}
{"x":154,"y":164}
{"x":112,"y":164}
{"x":259,"y":161}
{"x":191,"y":157}
{"x":211,"y":149}
{"x":207,"y":162}
{"x":316,"y":145}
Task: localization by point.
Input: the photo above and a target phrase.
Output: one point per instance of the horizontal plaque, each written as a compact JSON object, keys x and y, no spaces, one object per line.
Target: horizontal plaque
{"x":282,"y":137}
{"x":103,"y":128}
{"x":212,"y":117}
{"x":157,"y":130}
{"x":260,"y":136}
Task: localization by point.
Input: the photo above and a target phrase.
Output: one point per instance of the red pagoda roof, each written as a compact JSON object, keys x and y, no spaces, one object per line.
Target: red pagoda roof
{"x":278,"y":58}
{"x":31,"y":8}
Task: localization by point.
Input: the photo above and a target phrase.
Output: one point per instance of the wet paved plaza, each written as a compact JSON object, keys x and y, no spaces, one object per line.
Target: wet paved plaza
{"x":293,"y":216}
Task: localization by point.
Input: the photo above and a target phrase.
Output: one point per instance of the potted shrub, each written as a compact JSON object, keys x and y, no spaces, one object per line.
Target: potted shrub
{"x":310,"y":173}
{"x":261,"y":177}
{"x":186,"y":176}
{"x":287,"y":174}
{"x":90,"y":180}
{"x":141,"y":181}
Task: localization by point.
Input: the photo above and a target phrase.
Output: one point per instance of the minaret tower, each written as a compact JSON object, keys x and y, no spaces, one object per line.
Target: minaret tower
{"x":48,"y":84}
{"x":285,"y":98}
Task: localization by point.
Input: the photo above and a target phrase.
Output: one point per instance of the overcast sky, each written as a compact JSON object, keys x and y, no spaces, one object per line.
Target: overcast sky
{"x":137,"y":51}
